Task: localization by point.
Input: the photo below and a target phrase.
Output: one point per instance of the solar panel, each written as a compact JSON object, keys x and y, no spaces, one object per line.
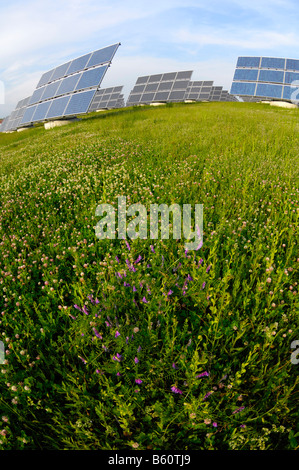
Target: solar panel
{"x":78,"y":64}
{"x":264,"y":77}
{"x":166,"y":87}
{"x":103,"y":56}
{"x":79,"y":103}
{"x":41,"y":111}
{"x":57,"y":91}
{"x":58,"y":106}
{"x":107,"y":98}
{"x":91,"y":78}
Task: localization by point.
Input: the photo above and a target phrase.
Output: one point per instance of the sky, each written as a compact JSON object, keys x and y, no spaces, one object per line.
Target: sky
{"x":156,"y":36}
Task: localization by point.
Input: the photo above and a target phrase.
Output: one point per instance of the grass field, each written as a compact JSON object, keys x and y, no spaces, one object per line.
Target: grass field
{"x":141,"y":345}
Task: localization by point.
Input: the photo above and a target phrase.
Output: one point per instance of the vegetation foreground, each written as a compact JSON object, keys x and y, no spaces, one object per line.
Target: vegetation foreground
{"x":138,"y":344}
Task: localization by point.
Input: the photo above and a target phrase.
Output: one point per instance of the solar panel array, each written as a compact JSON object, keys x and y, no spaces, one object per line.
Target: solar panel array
{"x":165,"y":87}
{"x":69,"y":89}
{"x":13,"y":121}
{"x":198,"y":90}
{"x":265,"y":78}
{"x":106,"y":98}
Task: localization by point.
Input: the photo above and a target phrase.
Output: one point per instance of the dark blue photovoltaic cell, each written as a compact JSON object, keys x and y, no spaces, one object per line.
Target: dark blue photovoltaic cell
{"x":246,"y":74}
{"x":177,"y":95}
{"x":184,"y":75}
{"x":91,"y":78}
{"x":37,"y":94}
{"x":291,"y":77}
{"x":151,"y":87}
{"x":51,"y":90}
{"x":292,"y":64}
{"x":41,"y":111}
{"x":102,"y":55}
{"x":165,"y":86}
{"x":272,"y":63}
{"x":78,"y":64}
{"x":60,"y":71}
{"x":168,"y":76}
{"x":271,"y":76}
{"x":27,"y":118}
{"x":79,"y":103}
{"x":68,"y":84}
{"x":265,"y":90}
{"x":248,"y":62}
{"x":57,"y":107}
{"x":180,"y":84}
{"x":155,"y":78}
{"x":242,"y":88}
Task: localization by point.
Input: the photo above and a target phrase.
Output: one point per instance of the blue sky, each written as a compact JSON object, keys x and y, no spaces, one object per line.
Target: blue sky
{"x":156,"y":36}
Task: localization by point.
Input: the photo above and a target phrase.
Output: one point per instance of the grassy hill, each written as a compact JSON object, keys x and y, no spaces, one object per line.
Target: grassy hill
{"x":142,"y":345}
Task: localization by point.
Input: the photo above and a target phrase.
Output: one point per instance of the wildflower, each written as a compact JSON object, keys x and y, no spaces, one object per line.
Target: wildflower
{"x":238,"y":410}
{"x":135,"y":445}
{"x":117,"y":259}
{"x":134,"y":289}
{"x":242,"y":425}
{"x":82,"y":359}
{"x":97,"y":333}
{"x":144,"y":300}
{"x":128,"y":246}
{"x":85,"y":310}
{"x":117,"y":358}
{"x":176,"y":390}
{"x":78,"y":308}
{"x":203,"y":374}
{"x":139,"y":349}
{"x":170,"y":292}
{"x":136,"y":360}
{"x":207,"y":421}
{"x":136,"y":329}
{"x":117,"y":334}
{"x":189,"y":278}
{"x":207,"y":395}
{"x":215,"y":425}
{"x":203,"y":285}
{"x":269,"y":280}
{"x":138,"y":381}
{"x":152,"y":248}
{"x":174,"y":366}
{"x":126,"y":284}
{"x":138,"y":259}
{"x":208,"y":268}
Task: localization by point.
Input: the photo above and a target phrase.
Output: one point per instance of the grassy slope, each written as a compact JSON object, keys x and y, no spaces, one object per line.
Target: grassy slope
{"x":241,"y":162}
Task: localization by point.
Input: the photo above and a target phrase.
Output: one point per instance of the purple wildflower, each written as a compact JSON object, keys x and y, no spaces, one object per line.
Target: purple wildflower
{"x":118,"y":374}
{"x":74,"y":318}
{"x":162,"y":261}
{"x":97,"y":333}
{"x":203,"y":374}
{"x":238,"y":410}
{"x":136,"y":360}
{"x":117,"y":334}
{"x":200,"y":261}
{"x":174,"y":366}
{"x":144,"y":300}
{"x":107,"y":323}
{"x":139,"y":349}
{"x":127,"y":339}
{"x":138,"y":381}
{"x":128,"y":246}
{"x":215,"y":425}
{"x":189,"y":278}
{"x":117,"y":259}
{"x":138,"y":259}
{"x":78,"y":308}
{"x":203,"y":285}
{"x":126,"y":284}
{"x":207,"y":395}
{"x":104,"y":347}
{"x":208,"y":268}
{"x":134,"y":289}
{"x":152,"y":248}
{"x":82,"y":359}
{"x":170,"y":292}
{"x":85,"y":310}
{"x":117,"y":358}
{"x":176,"y":390}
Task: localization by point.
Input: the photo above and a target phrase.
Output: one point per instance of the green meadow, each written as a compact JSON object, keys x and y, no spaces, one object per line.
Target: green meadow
{"x":140,"y":344}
